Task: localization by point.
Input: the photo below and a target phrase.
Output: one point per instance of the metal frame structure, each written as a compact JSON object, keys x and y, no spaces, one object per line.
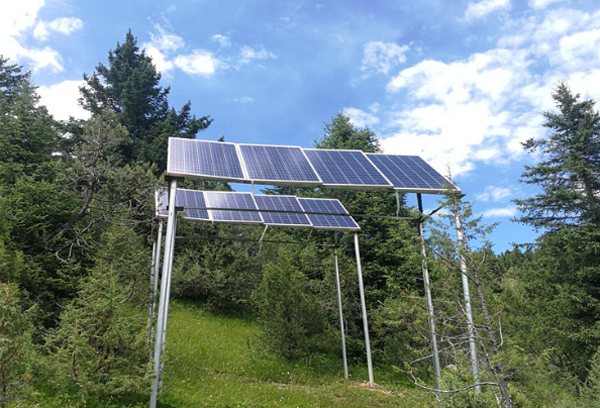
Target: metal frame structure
{"x":165,"y":287}
{"x":165,"y":290}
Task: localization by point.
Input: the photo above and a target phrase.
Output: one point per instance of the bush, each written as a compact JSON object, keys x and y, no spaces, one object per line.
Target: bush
{"x":101,"y":343}
{"x":15,"y":343}
{"x":292,"y":318}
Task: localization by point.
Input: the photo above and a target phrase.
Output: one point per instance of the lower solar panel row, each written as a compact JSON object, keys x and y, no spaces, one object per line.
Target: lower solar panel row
{"x":271,"y":210}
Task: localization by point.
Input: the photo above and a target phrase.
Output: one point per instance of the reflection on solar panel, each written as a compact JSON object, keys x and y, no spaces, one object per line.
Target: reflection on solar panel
{"x":281,"y":203}
{"x":204,"y":159}
{"x":332,"y":222}
{"x":345,"y":168}
{"x":231,"y":200}
{"x":410,"y":173}
{"x":192,"y":198}
{"x":278,"y":164}
{"x":161,"y":202}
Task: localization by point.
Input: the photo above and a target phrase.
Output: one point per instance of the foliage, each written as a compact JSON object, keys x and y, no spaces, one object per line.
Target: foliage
{"x":217,"y":268}
{"x":561,"y":300}
{"x":568,"y":172}
{"x":128,"y":86}
{"x":291,"y":315}
{"x":340,"y":133}
{"x":15,"y":344}
{"x":101,"y":343}
{"x":590,"y":392}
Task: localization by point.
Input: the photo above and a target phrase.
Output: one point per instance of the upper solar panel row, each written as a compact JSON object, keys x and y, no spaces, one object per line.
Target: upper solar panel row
{"x":246,"y":208}
{"x":289,"y":165}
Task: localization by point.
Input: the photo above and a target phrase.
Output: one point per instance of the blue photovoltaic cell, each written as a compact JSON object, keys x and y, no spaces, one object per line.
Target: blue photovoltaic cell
{"x":410,"y":173}
{"x":194,"y":199}
{"x":285,"y":164}
{"x":281,"y":203}
{"x":203,"y":159}
{"x":231,"y":200}
{"x":333,"y":222}
{"x":345,"y":168}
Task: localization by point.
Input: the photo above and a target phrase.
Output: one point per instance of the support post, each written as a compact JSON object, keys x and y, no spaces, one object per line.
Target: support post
{"x":151,"y":290}
{"x":364,"y":309}
{"x":157,"y":266}
{"x":339,"y":299}
{"x":163,"y":305}
{"x":168,"y":296}
{"x":466,"y":294}
{"x":429,"y":302}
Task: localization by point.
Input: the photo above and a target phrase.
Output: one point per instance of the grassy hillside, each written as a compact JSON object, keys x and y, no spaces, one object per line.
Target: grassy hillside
{"x":217,"y":361}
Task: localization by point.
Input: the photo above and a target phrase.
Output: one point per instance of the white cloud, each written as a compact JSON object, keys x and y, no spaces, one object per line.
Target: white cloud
{"x":482,"y":108}
{"x":160,"y":46}
{"x":222,"y":40}
{"x":61,"y":100}
{"x":381,"y":57}
{"x":200,"y":62}
{"x":485,"y":7}
{"x":244,"y":99}
{"x":500,"y":212}
{"x":248,"y":54}
{"x":492,"y":193}
{"x":18,"y":21}
{"x":63,"y":25}
{"x":540,"y":4}
{"x":360,"y":118}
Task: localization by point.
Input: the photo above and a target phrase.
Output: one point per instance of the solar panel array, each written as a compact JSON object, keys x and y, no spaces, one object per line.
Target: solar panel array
{"x":200,"y":158}
{"x":277,"y":203}
{"x":410,"y":173}
{"x":246,"y":208}
{"x":289,"y":165}
{"x":229,"y":201}
{"x":345,"y":168}
{"x":329,"y":206}
{"x":195,"y":200}
{"x":278,"y":164}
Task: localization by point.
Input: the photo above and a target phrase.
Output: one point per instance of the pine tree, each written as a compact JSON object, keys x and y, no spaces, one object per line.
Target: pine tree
{"x":129,"y":86}
{"x":568,"y":172}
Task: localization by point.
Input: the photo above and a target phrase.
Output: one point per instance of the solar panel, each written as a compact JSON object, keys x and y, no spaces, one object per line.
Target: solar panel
{"x":230,"y":200}
{"x":278,"y":165}
{"x":346,"y":168}
{"x":204,"y":159}
{"x":410,"y":173}
{"x":323,"y":221}
{"x":282,"y":203}
{"x":192,"y":198}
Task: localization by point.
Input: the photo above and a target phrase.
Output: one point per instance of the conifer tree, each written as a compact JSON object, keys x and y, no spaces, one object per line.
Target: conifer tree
{"x":129,"y":86}
{"x":568,"y":172}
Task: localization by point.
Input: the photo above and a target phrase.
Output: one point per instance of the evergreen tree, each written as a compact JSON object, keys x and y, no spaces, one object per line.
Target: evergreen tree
{"x":129,"y":86}
{"x":11,"y":78}
{"x":15,"y":343}
{"x":561,"y":282}
{"x":101,"y":343}
{"x":568,"y":172}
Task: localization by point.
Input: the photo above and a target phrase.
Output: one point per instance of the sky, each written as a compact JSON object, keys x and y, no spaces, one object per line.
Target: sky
{"x":460,"y":83}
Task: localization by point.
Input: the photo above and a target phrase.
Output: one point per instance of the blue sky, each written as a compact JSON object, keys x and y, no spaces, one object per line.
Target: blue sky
{"x":460,"y":83}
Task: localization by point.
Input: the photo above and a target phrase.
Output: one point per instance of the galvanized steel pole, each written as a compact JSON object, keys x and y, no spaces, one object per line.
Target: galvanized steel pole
{"x":467,"y":296}
{"x":163,"y":305}
{"x":364,"y":309}
{"x":339,"y":299}
{"x":429,"y":302}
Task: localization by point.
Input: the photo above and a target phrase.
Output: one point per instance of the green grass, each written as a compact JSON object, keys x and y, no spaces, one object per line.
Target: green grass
{"x":215,"y":361}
